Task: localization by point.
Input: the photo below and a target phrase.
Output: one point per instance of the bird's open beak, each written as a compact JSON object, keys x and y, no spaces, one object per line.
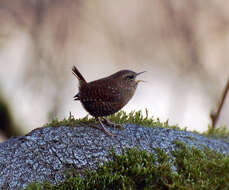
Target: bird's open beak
{"x":140,"y":72}
{"x":137,"y":81}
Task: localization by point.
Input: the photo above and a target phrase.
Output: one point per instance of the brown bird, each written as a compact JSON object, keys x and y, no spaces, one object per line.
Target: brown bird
{"x":108,"y":95}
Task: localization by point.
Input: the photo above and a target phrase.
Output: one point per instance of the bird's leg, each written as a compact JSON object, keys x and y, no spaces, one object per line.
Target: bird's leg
{"x":111,"y":123}
{"x":103,"y":128}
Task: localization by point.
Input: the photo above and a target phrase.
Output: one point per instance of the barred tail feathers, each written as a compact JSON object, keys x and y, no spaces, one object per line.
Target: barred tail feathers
{"x":77,"y":74}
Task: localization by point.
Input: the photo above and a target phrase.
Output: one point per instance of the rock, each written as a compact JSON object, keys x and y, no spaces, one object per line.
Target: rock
{"x":46,"y":153}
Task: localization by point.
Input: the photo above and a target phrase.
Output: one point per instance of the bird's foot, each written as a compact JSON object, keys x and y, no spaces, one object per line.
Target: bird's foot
{"x":104,"y":130}
{"x":111,"y":124}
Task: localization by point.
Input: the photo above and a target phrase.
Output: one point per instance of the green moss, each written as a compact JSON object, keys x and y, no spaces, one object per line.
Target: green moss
{"x":70,"y":121}
{"x":138,"y":169}
{"x":121,"y":117}
{"x":138,"y":118}
{"x":221,"y":132}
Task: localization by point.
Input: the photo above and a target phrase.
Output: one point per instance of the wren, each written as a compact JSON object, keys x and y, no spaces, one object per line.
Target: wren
{"x":108,"y":95}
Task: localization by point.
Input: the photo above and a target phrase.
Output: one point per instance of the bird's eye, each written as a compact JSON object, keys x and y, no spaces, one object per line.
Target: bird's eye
{"x":130,"y":77}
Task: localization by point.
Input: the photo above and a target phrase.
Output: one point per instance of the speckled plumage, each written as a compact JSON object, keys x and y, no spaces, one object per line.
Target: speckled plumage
{"x":108,"y":95}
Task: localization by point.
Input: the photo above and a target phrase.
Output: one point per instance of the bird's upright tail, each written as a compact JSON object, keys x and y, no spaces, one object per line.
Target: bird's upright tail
{"x":78,"y":75}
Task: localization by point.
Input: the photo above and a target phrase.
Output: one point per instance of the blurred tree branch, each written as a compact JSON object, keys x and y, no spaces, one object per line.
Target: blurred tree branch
{"x":215,"y":115}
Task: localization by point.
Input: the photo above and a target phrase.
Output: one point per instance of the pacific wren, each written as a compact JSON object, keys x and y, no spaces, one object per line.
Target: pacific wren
{"x":108,"y":95}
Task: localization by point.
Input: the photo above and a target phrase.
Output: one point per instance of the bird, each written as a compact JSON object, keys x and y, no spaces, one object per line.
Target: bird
{"x":106,"y":96}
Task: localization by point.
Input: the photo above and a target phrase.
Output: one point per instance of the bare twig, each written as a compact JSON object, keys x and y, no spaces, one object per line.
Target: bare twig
{"x":215,"y":115}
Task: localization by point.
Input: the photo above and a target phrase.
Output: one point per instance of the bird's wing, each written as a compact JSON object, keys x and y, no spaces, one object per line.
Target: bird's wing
{"x":100,"y":92}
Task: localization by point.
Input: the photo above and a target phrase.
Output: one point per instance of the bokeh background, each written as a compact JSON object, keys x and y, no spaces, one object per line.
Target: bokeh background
{"x":183,"y":46}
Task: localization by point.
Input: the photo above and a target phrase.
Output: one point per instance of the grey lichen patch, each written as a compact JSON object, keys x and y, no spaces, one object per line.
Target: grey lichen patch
{"x":136,"y":169}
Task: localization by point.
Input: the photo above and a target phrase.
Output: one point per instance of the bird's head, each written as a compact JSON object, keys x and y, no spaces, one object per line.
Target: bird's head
{"x":129,"y":78}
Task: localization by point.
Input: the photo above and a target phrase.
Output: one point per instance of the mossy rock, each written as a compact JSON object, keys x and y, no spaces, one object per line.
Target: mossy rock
{"x":136,"y":169}
{"x":64,"y":151}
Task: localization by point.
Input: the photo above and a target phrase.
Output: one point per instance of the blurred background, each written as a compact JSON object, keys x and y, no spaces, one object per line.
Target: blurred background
{"x":183,"y":46}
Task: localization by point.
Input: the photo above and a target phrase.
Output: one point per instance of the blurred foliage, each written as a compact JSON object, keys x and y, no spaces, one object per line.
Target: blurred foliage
{"x":7,"y":125}
{"x":2,"y":40}
{"x":138,"y":169}
{"x":187,"y":40}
